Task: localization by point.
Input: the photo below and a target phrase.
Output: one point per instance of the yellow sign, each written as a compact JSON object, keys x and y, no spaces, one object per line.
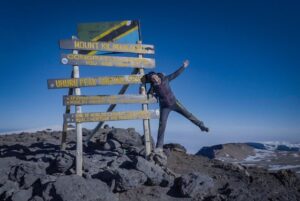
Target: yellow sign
{"x":106,"y":99}
{"x":110,"y":116}
{"x":95,"y":60}
{"x":106,"y":46}
{"x":91,"y":82}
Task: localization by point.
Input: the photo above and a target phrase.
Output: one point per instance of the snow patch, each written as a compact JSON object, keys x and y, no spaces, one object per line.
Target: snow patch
{"x":283,"y":167}
{"x":260,"y":155}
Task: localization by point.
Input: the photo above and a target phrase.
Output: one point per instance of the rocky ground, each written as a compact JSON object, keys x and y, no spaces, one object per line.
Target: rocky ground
{"x":33,"y":168}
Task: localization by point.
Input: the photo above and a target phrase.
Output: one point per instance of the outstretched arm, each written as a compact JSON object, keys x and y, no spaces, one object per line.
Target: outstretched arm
{"x":178,"y":71}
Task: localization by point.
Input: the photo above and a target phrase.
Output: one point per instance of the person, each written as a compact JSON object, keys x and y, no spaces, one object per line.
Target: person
{"x":160,"y":88}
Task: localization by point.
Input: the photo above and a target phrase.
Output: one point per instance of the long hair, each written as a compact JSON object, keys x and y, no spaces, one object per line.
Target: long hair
{"x":148,"y":76}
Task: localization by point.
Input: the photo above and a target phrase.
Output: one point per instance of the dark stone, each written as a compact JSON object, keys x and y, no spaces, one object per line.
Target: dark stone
{"x":27,"y":173}
{"x":111,"y":145}
{"x":123,"y":161}
{"x":61,"y":164}
{"x":76,"y":188}
{"x":126,"y":137}
{"x":175,"y":147}
{"x":128,"y":179}
{"x":122,"y":179}
{"x":7,"y":189}
{"x":155,"y":174}
{"x":195,"y":185}
{"x":287,"y":178}
{"x":22,"y":195}
{"x":36,"y":198}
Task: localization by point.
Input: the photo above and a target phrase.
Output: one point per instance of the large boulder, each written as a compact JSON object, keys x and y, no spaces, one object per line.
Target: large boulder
{"x":22,"y":195}
{"x":129,"y":179}
{"x":195,"y":185}
{"x":7,"y":189}
{"x":122,"y":179}
{"x":155,"y":174}
{"x":126,"y":137}
{"x":27,"y":173}
{"x":76,"y":188}
{"x":62,"y":163}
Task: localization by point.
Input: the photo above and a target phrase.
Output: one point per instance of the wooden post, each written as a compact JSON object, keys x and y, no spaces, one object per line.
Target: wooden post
{"x":78,"y":125}
{"x":146,"y":122}
{"x":65,"y":124}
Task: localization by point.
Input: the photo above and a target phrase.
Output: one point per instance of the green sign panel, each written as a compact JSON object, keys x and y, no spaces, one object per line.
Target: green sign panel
{"x":126,"y":31}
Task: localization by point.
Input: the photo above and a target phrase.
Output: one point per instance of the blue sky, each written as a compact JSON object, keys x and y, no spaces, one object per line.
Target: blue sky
{"x":243,"y":80}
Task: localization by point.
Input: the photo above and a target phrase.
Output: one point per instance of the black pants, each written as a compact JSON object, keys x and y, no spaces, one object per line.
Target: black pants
{"x":164,"y":113}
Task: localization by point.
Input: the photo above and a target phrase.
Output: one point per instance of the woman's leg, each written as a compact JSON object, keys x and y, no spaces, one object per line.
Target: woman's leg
{"x":181,"y":110}
{"x":164,"y":113}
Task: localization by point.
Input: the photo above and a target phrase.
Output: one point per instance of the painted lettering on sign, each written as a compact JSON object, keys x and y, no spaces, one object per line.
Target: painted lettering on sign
{"x":91,"y":82}
{"x":107,"y":46}
{"x":82,"y":45}
{"x":110,"y":116}
{"x":107,"y":99}
{"x":94,"y":60}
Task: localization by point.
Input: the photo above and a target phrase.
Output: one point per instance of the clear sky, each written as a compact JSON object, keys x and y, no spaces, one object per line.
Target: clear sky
{"x":243,"y":80}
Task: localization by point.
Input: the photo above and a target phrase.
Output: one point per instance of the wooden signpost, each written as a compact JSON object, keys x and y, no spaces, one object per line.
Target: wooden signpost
{"x":84,"y":54}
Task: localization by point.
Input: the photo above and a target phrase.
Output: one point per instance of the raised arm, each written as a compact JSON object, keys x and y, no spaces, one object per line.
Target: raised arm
{"x":178,"y":71}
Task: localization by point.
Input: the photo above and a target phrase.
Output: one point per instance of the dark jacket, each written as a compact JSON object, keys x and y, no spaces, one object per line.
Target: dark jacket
{"x":163,"y":91}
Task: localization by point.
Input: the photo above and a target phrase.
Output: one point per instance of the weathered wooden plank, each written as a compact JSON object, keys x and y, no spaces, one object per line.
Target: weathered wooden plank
{"x":110,"y":116}
{"x":91,"y":82}
{"x":115,"y":61}
{"x":106,"y":46}
{"x":107,"y":99}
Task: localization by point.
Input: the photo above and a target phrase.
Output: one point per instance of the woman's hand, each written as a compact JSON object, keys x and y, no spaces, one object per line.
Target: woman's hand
{"x":186,"y":63}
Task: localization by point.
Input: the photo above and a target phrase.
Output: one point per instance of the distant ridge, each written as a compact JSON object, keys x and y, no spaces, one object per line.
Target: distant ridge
{"x":33,"y":130}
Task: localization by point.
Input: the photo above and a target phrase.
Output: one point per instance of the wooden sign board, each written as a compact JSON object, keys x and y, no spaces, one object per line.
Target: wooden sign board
{"x":95,"y":60}
{"x":106,"y":46}
{"x":107,"y":99}
{"x":110,"y":116}
{"x":91,"y":82}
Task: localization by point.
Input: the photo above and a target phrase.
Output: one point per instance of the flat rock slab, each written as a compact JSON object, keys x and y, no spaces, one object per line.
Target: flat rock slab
{"x":76,"y":188}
